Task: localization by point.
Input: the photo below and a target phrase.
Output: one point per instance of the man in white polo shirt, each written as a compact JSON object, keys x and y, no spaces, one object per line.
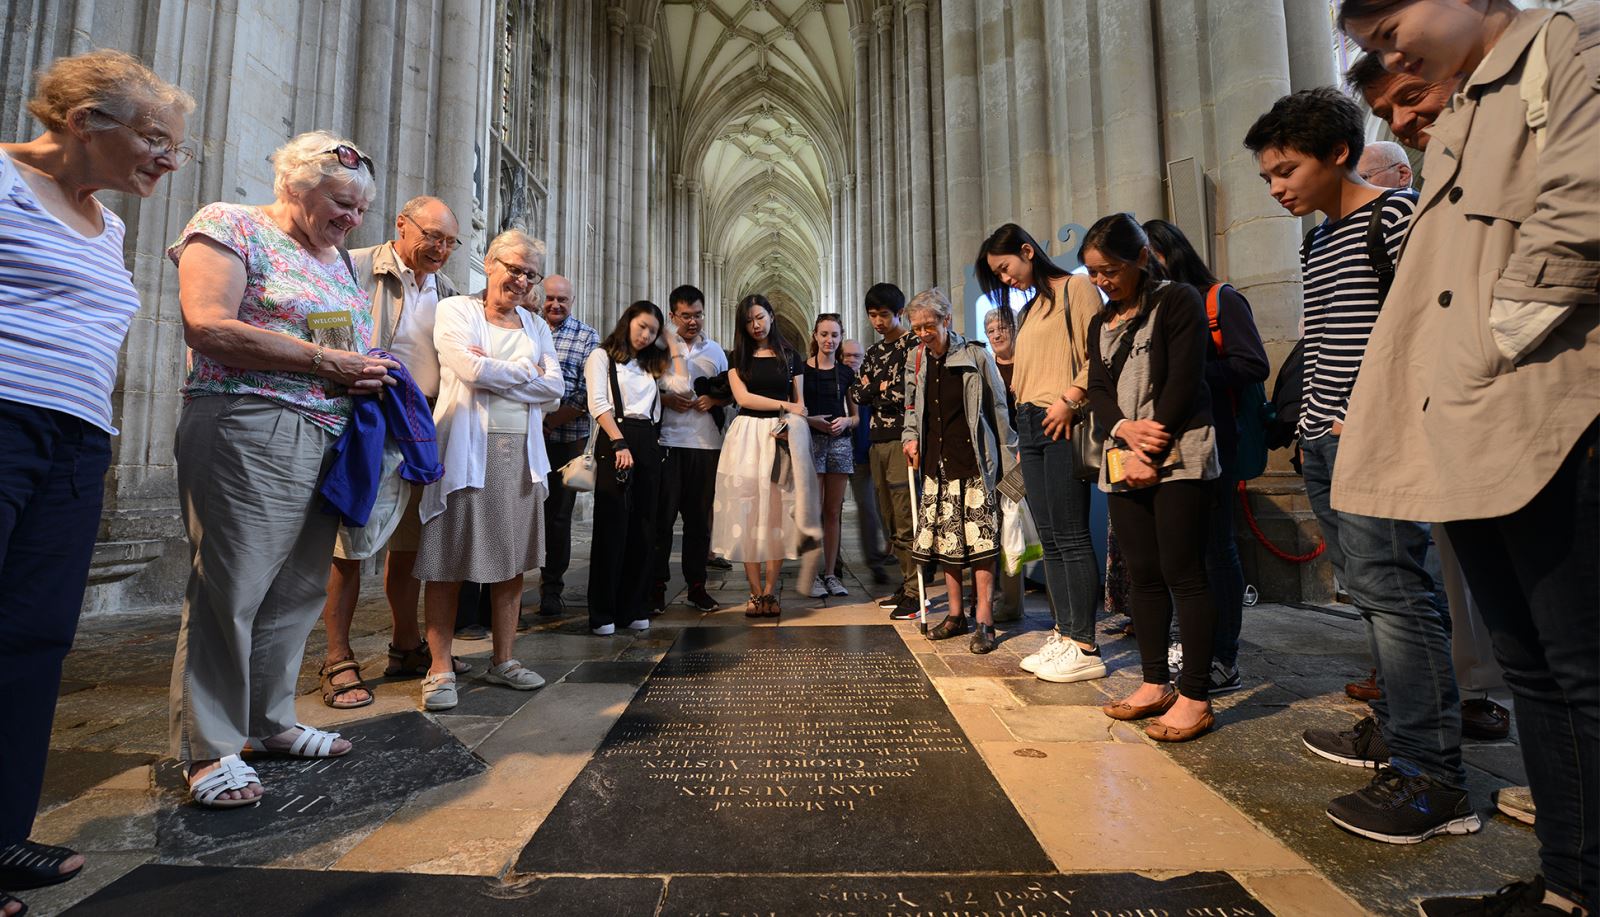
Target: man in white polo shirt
{"x":402,"y":277}
{"x":691,"y":437}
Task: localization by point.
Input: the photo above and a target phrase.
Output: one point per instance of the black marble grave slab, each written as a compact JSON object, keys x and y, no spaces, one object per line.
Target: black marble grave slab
{"x":207,"y":891}
{"x":314,"y":801}
{"x":1204,"y":894}
{"x":785,"y":750}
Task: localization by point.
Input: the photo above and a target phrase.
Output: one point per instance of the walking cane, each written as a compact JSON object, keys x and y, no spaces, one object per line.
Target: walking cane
{"x":916,"y":526}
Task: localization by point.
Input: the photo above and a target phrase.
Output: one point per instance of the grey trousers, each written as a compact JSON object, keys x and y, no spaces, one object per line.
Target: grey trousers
{"x":259,"y":546}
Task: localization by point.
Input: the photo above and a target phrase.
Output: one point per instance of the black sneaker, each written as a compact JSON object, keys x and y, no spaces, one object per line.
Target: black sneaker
{"x":700,"y":599}
{"x":550,"y":605}
{"x":717,"y":562}
{"x":1404,"y":806}
{"x":1224,"y":678}
{"x":893,"y":599}
{"x":1519,"y":899}
{"x":658,"y":598}
{"x":1360,"y":746}
{"x":472,"y":632}
{"x":906,"y":610}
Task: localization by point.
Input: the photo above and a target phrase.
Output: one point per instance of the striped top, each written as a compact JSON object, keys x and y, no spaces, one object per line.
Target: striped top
{"x":65,"y":305}
{"x":1341,"y":305}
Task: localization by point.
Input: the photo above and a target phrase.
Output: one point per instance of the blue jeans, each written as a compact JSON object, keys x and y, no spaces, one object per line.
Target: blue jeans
{"x":52,"y":476}
{"x":1380,"y":562}
{"x":1224,"y":574}
{"x":1534,"y":576}
{"x":1059,"y":504}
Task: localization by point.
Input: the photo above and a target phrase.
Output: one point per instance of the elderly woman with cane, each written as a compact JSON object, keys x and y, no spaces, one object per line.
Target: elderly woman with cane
{"x":959,"y":439}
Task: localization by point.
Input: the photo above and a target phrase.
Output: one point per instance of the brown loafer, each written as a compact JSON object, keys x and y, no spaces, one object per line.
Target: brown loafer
{"x":1366,"y":689}
{"x":1161,"y":732}
{"x":1122,"y":710}
{"x":1485,"y":720}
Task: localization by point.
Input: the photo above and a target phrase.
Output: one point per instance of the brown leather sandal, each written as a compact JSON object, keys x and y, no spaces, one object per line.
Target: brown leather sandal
{"x":332,"y":692}
{"x":771,"y":607}
{"x":414,"y":662}
{"x":756,"y":607}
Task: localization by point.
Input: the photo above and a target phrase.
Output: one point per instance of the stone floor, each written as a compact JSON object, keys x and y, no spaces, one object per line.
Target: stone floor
{"x":1097,"y":795}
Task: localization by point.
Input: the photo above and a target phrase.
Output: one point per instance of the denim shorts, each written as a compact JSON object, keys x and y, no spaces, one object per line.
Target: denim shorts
{"x":833,"y":454}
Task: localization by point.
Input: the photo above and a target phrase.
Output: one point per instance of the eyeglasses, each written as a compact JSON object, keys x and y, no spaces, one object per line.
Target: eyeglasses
{"x":436,"y":239}
{"x":521,"y":273}
{"x":1369,"y":175}
{"x":352,"y":158}
{"x":159,"y":146}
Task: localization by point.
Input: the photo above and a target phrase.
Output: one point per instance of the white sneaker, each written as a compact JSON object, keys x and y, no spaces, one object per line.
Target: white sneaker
{"x":818,"y":588}
{"x":1052,"y":648}
{"x":1071,"y":664}
{"x":514,"y":674}
{"x":1175,"y":658}
{"x":640,"y":625}
{"x":439,"y":691}
{"x":834,"y":586}
{"x":604,"y":630}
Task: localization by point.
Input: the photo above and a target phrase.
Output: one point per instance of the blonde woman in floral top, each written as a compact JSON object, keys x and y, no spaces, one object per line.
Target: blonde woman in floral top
{"x":273,"y":314}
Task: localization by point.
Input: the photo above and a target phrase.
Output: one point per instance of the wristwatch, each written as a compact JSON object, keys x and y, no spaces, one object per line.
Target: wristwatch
{"x":1077,"y":406}
{"x":316,"y":361}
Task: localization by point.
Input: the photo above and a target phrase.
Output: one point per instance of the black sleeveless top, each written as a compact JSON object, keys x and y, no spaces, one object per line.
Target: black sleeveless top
{"x":769,"y":378}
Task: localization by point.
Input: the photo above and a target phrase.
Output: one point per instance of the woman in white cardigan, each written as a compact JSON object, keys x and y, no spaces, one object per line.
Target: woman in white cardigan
{"x":484,"y":520}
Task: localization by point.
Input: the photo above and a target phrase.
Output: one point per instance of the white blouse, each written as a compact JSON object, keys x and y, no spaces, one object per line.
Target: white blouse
{"x":641,"y":400}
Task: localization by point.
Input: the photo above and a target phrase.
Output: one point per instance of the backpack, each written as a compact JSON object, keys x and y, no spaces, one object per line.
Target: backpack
{"x":1254,"y":413}
{"x":1288,"y":391}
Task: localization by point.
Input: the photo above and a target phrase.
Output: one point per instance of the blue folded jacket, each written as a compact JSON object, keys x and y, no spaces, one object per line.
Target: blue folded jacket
{"x":350,"y":486}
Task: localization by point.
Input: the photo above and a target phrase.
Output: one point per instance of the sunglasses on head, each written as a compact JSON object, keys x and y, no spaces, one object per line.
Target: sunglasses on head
{"x":351,"y":158}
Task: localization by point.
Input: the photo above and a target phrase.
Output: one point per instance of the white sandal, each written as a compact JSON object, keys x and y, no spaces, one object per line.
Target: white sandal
{"x":310,"y":743}
{"x":230,"y":774}
{"x":439,"y":691}
{"x":514,"y":674}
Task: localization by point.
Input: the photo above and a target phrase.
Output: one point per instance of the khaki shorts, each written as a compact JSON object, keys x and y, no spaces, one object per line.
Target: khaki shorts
{"x":407,"y":533}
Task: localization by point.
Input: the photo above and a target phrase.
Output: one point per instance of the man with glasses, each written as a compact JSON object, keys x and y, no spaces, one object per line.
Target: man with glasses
{"x":691,"y":437}
{"x":566,"y":429}
{"x":1384,"y":163}
{"x":403,"y":279}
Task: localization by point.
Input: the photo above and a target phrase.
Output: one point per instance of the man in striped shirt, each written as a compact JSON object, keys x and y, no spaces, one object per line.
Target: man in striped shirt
{"x":565,"y":431}
{"x":1308,"y":147}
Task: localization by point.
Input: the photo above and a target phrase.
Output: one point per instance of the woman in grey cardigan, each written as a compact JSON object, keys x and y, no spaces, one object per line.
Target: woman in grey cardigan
{"x":958,"y":436}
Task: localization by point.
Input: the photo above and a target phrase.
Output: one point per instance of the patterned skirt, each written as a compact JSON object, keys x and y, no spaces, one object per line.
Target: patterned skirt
{"x":958,"y":522}
{"x":488,"y":534}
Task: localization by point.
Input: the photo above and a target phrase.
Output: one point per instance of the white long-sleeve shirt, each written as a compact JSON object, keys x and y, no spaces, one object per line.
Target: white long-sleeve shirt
{"x":640,"y":398}
{"x":466,"y":380}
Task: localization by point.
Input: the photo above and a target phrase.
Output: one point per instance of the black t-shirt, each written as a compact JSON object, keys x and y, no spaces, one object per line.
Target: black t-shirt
{"x":825,"y":389}
{"x":769,"y":378}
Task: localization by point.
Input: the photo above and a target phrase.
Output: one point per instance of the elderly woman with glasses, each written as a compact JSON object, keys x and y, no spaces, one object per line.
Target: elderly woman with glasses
{"x":483,"y":521}
{"x":110,"y":124}
{"x":273,"y":314}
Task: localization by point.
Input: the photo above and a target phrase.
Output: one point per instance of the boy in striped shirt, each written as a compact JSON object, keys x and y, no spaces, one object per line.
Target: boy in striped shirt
{"x":1307,"y":147}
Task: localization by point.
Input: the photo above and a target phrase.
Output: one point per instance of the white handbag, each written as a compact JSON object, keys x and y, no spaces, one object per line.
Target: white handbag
{"x":578,"y":474}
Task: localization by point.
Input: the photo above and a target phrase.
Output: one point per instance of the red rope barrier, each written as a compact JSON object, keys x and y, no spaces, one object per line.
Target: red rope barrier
{"x":1281,"y":554}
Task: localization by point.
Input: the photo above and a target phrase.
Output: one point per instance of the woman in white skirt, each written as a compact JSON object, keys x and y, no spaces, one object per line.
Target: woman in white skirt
{"x":484,"y":520}
{"x":958,"y":440}
{"x":754,"y":513}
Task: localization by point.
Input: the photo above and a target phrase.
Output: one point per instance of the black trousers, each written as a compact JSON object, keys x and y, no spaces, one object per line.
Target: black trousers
{"x":557,"y":518}
{"x":52,"y":477}
{"x":624,"y":529}
{"x":688,"y":481}
{"x":1162,"y":531}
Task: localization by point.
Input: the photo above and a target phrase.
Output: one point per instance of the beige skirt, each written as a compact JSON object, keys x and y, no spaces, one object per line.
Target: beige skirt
{"x":488,"y":534}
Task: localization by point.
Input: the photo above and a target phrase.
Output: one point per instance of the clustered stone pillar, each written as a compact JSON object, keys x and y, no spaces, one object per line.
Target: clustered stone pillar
{"x":862,"y":239}
{"x":963,"y":186}
{"x":617,"y":161}
{"x":640,"y":103}
{"x":884,"y":141}
{"x":919,"y":149}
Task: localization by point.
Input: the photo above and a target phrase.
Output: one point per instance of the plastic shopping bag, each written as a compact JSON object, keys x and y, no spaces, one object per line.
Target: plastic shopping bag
{"x":1019,"y":542}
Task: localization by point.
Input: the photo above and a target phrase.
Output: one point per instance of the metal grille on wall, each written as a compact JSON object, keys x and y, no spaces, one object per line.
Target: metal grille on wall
{"x":521,"y":153}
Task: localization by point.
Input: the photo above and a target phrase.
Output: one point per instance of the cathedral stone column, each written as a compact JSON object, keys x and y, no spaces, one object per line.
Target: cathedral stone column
{"x":886,"y":140}
{"x":963,"y":150}
{"x":460,"y":88}
{"x":861,"y":238}
{"x":616,"y":163}
{"x":643,"y":38}
{"x":919,"y":149}
{"x":1032,"y":101}
{"x":833,"y":277}
{"x":1131,"y":131}
{"x":1306,"y":25}
{"x":678,"y":263}
{"x":695,"y":256}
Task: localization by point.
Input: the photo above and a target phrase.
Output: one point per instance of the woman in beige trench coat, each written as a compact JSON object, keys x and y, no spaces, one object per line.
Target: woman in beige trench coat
{"x":1477,"y":401}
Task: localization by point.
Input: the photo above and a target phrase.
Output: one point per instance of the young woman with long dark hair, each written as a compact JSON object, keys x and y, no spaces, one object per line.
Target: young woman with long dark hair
{"x":625,"y":401}
{"x":754,"y":520}
{"x":1239,"y":362}
{"x":1147,"y":385}
{"x":826,"y":384}
{"x":1051,"y":402}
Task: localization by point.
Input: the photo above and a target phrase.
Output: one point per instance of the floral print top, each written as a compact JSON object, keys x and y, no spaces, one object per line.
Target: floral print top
{"x":283,"y":284}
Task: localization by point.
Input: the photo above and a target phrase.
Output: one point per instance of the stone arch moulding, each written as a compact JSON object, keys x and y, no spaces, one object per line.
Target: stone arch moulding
{"x":723,"y":211}
{"x":734,"y":100}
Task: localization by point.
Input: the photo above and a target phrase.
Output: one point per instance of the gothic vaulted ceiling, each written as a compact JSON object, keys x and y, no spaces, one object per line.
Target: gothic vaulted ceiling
{"x":762,"y":92}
